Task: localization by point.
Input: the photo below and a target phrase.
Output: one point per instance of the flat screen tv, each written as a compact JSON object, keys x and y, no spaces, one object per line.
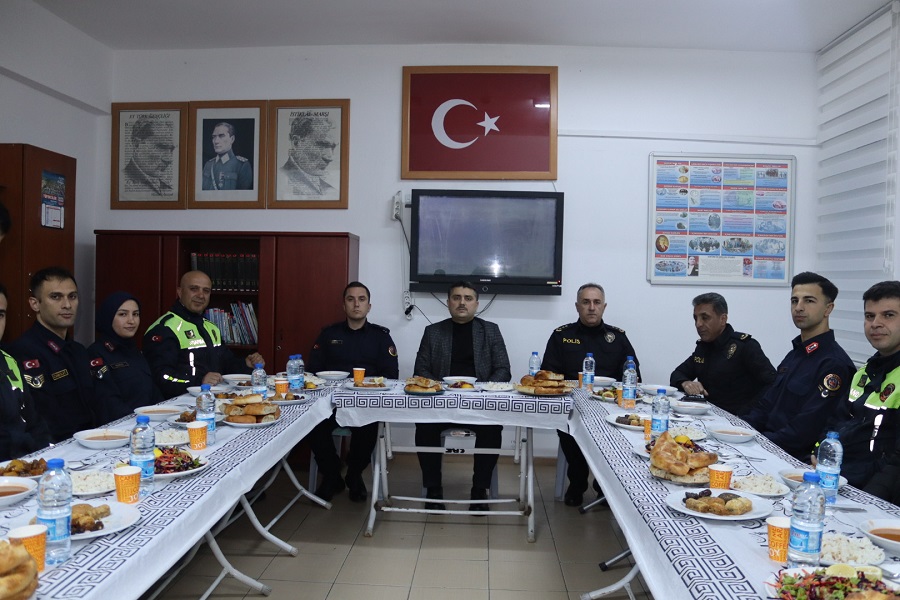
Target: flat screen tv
{"x":504,"y":242}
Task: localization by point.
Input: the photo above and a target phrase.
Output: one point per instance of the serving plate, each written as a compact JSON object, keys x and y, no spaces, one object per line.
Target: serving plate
{"x":183,"y":424}
{"x":771,"y":583}
{"x":761,"y":507}
{"x":204,"y":463}
{"x":434,"y":393}
{"x":28,"y":483}
{"x":121,"y":516}
{"x":783,"y":490}
{"x":611,"y":419}
{"x":83,"y":438}
{"x":301,"y":399}
{"x":369,"y":390}
{"x":641,"y":450}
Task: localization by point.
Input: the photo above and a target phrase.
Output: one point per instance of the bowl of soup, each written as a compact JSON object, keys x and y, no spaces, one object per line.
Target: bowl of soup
{"x":159,"y":412}
{"x":732,"y":435}
{"x":794,"y":477}
{"x":883,"y":532}
{"x":102,"y":439}
{"x":15,"y":489}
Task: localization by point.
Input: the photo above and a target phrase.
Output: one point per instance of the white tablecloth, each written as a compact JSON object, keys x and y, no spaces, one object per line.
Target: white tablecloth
{"x":176,"y":515}
{"x":685,"y":557}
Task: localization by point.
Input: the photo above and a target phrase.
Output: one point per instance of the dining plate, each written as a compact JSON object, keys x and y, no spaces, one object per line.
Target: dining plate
{"x":159,"y":412}
{"x":691,"y":484}
{"x":782,"y":488}
{"x":771,"y":582}
{"x":194,"y":390}
{"x":455,"y":378}
{"x":236,"y":378}
{"x":92,"y":482}
{"x":611,"y":419}
{"x":301,"y":399}
{"x":641,"y":450}
{"x":434,"y":393}
{"x":174,"y":420}
{"x":692,"y":432}
{"x":172,"y":437}
{"x":251,"y":425}
{"x":204,"y":463}
{"x":26,"y":484}
{"x":652,"y":389}
{"x":495,"y":386}
{"x":121,"y":516}
{"x":369,"y":390}
{"x":761,"y":507}
{"x":333,"y":375}
{"x":884,"y":524}
{"x":690,"y":408}
{"x":560,"y":395}
{"x":94,"y":438}
{"x":733,"y":435}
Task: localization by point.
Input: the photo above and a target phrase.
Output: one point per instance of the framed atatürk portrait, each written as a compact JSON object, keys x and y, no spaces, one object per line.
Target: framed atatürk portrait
{"x":309,"y":146}
{"x":479,"y":123}
{"x":149,"y":149}
{"x":227,"y":154}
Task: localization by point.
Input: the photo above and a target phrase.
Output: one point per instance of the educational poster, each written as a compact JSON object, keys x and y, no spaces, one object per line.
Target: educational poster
{"x":720,"y":219}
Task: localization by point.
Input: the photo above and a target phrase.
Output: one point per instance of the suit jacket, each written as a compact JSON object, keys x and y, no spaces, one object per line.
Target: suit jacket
{"x":491,"y":360}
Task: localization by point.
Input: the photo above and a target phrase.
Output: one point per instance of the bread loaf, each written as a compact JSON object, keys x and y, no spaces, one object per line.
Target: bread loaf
{"x":548,"y":376}
{"x":262,"y":408}
{"x":248,"y":399}
{"x":231,"y":409}
{"x":241,"y":419}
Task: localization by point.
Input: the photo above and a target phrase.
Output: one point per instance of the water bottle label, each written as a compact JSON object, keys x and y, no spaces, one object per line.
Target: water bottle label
{"x":828,"y":480}
{"x":147,"y":466}
{"x":57,"y":529}
{"x":587,"y":379}
{"x":532,"y":372}
{"x":629,"y":393}
{"x":807,"y":542}
{"x":658,"y":426}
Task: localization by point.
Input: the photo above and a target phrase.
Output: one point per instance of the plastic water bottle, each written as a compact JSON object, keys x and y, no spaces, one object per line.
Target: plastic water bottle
{"x":629,"y":383}
{"x":807,"y":523}
{"x":296,"y":373}
{"x":534,"y":364}
{"x":55,"y":510}
{"x":259,"y":380}
{"x":587,"y":371}
{"x":659,"y":423}
{"x":206,"y":411}
{"x":143,"y":442}
{"x":828,"y":466}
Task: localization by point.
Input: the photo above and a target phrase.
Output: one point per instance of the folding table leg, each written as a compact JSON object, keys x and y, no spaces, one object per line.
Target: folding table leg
{"x":258,"y":586}
{"x":529,"y":459}
{"x":264,"y":531}
{"x":624,"y":583}
{"x":302,"y":490}
{"x":379,"y":483}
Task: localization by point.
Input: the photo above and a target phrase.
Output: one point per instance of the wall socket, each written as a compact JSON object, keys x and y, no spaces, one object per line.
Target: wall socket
{"x":407,"y":302}
{"x":397,"y":210}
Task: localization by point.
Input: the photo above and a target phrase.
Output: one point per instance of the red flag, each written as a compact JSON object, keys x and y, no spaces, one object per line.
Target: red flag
{"x":480,"y":122}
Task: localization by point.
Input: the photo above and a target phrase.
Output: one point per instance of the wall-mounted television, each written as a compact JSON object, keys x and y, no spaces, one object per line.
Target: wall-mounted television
{"x":504,"y":242}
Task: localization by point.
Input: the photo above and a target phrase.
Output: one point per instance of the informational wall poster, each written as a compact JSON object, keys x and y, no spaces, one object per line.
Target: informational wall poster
{"x":720,"y":219}
{"x":53,"y":200}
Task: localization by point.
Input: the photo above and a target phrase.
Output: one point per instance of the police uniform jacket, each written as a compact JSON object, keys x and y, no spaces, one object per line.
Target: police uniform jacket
{"x":22,"y":430}
{"x":122,"y":377}
{"x":182,"y":347}
{"x":732,"y":368}
{"x":235,"y":173}
{"x":812,"y":380}
{"x":58,"y":372}
{"x":436,"y":349}
{"x":569,"y":344}
{"x":340,"y":348}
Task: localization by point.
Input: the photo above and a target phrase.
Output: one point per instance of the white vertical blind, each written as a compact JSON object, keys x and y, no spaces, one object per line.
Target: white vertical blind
{"x":857,"y":170}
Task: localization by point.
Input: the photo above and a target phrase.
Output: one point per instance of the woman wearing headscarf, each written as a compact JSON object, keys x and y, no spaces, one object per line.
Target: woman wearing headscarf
{"x":122,"y":375}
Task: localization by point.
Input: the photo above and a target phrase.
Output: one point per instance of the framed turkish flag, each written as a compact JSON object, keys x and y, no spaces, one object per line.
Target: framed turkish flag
{"x":479,"y":122}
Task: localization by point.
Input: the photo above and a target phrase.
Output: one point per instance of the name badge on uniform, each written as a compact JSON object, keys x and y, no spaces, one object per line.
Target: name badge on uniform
{"x":336,"y":342}
{"x":59,"y":374}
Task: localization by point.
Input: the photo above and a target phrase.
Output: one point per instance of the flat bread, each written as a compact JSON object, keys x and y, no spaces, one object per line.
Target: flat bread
{"x":19,"y":578}
{"x":11,"y":556}
{"x":248,"y":399}
{"x":695,"y":476}
{"x":27,"y":592}
{"x":240,"y":419}
{"x":262,"y":408}
{"x":548,"y":375}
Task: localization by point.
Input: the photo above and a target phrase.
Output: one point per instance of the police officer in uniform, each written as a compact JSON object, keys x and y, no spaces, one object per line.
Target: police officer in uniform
{"x":354,"y":342}
{"x":184,"y":349}
{"x":226,"y":171}
{"x":565,"y":354}
{"x":812,"y":379}
{"x":123,"y":381}
{"x":57,"y":370}
{"x":22,"y":430}
{"x":728,"y":367}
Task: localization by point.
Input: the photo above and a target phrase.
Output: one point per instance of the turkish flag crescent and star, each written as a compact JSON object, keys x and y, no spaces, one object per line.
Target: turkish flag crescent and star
{"x":479,"y":122}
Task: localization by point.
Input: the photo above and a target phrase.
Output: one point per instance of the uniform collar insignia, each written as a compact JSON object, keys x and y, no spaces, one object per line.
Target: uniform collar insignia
{"x":54,"y":346}
{"x":810,"y":348}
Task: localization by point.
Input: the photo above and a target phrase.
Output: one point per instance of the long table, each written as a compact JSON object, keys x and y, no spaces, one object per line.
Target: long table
{"x":177,"y":514}
{"x":684,"y":557}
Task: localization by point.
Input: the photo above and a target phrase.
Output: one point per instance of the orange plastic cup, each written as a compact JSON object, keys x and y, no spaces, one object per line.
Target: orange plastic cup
{"x":358,"y":375}
{"x":197,"y":431}
{"x":779,"y":529}
{"x":720,"y":476}
{"x":128,"y":484}
{"x":580,"y":378}
{"x":281,"y":386}
{"x":34,"y":538}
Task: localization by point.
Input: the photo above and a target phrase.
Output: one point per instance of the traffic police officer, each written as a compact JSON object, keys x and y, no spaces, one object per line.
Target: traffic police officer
{"x":22,"y":430}
{"x":57,"y":369}
{"x":184,"y":349}
{"x":226,"y":171}
{"x":729,"y":367}
{"x":812,"y":379}
{"x":354,"y":342}
{"x":565,"y":354}
{"x":123,"y":381}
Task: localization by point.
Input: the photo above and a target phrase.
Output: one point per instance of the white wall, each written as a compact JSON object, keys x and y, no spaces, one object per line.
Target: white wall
{"x":615,"y":107}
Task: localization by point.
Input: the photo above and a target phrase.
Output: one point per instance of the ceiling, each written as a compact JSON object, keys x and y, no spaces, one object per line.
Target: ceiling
{"x":741,"y":25}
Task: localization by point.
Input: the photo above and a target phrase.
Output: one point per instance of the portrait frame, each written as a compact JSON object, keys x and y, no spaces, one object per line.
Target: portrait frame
{"x":138,"y":178}
{"x":247,"y":118}
{"x":521,"y":99}
{"x":290,"y":185}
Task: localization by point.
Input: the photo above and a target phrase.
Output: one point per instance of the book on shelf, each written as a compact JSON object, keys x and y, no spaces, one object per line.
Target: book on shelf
{"x":237,"y":326}
{"x":228,"y":272}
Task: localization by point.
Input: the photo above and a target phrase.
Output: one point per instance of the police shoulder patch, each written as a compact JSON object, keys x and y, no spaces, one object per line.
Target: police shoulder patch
{"x":564,"y":327}
{"x":832,"y":382}
{"x":392,"y":351}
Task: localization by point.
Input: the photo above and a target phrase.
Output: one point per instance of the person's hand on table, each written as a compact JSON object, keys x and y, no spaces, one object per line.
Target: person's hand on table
{"x":694,"y":388}
{"x":212,"y":378}
{"x":255,"y":359}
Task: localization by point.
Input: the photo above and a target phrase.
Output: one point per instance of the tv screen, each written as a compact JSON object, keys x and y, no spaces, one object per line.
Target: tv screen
{"x":503,"y":242}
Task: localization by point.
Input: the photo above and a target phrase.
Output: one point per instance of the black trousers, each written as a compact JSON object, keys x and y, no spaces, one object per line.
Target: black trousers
{"x":487,"y":436}
{"x":578,"y":468}
{"x":362,"y":442}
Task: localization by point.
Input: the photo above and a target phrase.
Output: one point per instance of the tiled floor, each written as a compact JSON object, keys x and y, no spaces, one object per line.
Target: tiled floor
{"x":418,"y":557}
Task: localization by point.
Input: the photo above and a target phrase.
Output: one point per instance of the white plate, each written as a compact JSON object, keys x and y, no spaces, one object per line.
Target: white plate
{"x":122,"y":516}
{"x":474,"y":390}
{"x":333,"y":375}
{"x":83,"y":437}
{"x":599,"y":397}
{"x":204,"y":463}
{"x":495,"y":386}
{"x":251,"y":425}
{"x":847,"y":539}
{"x":692,"y":432}
{"x":603,"y":381}
{"x":794,"y":484}
{"x":236,"y":378}
{"x":168,"y":438}
{"x":784,"y":490}
{"x":159,"y":412}
{"x":369,"y":390}
{"x":194,"y":390}
{"x":651,"y":389}
{"x":641,"y":450}
{"x":611,"y":419}
{"x":690,"y":408}
{"x":301,"y":399}
{"x":455,"y":378}
{"x":20,"y":482}
{"x":559,"y":395}
{"x":733,"y":435}
{"x":771,"y":583}
{"x":174,"y":420}
{"x":105,"y":482}
{"x":761,"y":506}
{"x":867,"y":526}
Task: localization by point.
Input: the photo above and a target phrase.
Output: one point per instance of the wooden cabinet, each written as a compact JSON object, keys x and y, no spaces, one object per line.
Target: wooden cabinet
{"x":28,"y":174}
{"x":300,"y":279}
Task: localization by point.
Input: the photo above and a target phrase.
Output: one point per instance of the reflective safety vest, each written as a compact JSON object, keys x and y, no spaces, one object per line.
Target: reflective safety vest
{"x":14,"y":376}
{"x":885,"y":398}
{"x":187,"y":333}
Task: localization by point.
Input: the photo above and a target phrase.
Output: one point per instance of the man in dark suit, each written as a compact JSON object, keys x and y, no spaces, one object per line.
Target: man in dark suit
{"x":461,"y":345}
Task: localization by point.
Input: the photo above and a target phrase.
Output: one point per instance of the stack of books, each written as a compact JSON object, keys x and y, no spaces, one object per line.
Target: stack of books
{"x":229,"y":272}
{"x":238,"y":326}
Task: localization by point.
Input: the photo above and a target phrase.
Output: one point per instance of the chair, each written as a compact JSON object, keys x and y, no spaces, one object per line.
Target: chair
{"x":460,"y":438}
{"x":338,"y":435}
